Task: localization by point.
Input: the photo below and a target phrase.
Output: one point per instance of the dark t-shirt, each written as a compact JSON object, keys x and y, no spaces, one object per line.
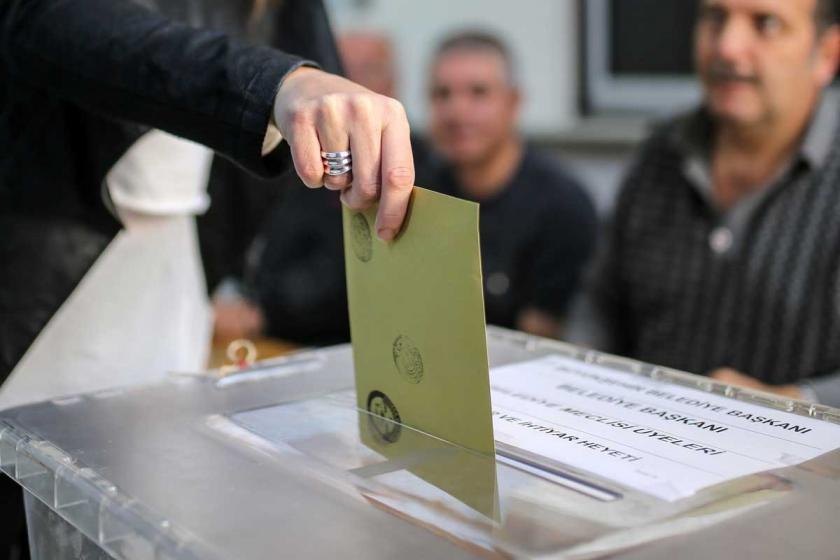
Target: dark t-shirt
{"x":299,"y":276}
{"x":536,"y":236}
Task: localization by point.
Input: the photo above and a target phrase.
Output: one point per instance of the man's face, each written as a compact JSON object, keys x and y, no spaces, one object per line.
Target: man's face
{"x":473,"y":106}
{"x":760,"y":60}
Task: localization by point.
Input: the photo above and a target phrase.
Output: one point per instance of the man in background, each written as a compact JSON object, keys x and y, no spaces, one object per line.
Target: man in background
{"x":537,"y":225}
{"x":724,"y":252}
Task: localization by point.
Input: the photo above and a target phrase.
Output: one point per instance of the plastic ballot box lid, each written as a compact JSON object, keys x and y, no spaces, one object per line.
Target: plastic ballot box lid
{"x":277,"y":461}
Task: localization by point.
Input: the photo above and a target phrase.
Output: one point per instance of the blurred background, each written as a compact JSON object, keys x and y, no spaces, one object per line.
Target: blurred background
{"x":595,"y":73}
{"x":592,"y":79}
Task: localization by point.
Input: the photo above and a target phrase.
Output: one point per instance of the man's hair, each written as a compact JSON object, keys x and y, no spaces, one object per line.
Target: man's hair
{"x":826,"y":14}
{"x":479,"y":40}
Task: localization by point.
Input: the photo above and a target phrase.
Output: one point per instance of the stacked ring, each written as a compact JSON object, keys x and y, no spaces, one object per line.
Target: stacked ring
{"x":337,"y":163}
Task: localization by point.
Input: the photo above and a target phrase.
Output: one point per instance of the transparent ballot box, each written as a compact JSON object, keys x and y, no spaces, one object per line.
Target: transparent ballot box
{"x":277,"y":461}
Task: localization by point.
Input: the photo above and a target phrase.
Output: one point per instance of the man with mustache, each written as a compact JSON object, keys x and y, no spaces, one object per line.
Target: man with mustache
{"x":723,"y":256}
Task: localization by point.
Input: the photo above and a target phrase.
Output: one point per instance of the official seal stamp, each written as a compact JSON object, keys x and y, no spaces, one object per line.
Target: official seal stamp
{"x":408,"y":359}
{"x":360,"y":237}
{"x":385,"y":418}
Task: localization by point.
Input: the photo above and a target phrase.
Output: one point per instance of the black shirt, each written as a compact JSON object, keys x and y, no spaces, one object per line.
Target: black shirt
{"x":536,"y":235}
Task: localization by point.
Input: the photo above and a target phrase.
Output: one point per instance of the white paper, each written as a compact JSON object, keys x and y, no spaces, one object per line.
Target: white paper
{"x":661,"y":439}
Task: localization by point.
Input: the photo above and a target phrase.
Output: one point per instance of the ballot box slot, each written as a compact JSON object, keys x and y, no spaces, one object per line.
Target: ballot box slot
{"x":539,"y":467}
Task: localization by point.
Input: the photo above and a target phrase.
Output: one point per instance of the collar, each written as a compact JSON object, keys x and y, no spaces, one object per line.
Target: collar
{"x":692,"y":135}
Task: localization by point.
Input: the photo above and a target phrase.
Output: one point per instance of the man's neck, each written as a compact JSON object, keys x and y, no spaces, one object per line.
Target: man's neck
{"x":484,"y":179}
{"x":747,"y":158}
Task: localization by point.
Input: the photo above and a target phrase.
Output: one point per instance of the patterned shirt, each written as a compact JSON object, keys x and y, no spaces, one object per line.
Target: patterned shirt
{"x":681,"y":283}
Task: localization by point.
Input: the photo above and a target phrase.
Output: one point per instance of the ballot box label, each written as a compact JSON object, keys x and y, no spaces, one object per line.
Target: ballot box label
{"x":659,"y":438}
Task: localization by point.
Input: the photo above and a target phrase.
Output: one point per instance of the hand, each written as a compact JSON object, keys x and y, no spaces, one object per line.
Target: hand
{"x":236,"y":318}
{"x":316,"y":111}
{"x":733,"y":377}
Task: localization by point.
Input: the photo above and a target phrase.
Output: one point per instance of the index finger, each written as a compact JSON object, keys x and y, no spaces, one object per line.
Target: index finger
{"x":397,"y":177}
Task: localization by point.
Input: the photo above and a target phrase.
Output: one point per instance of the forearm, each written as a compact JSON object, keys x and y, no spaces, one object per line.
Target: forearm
{"x":121,"y":60}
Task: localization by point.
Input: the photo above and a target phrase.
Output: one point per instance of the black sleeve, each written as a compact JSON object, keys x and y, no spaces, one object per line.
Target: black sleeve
{"x":564,"y":246}
{"x":121,"y":60}
{"x":241,"y":202}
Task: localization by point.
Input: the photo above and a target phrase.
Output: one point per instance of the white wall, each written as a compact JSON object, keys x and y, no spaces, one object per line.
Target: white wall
{"x":541,"y":33}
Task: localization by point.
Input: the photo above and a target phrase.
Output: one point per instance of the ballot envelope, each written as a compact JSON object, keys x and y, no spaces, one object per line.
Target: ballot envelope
{"x":277,"y":460}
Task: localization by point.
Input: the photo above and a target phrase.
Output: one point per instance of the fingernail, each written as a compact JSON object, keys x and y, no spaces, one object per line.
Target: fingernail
{"x":385,"y":234}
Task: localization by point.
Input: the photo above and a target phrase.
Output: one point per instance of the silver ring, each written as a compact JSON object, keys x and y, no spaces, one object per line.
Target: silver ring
{"x":338,"y":162}
{"x":335,"y":155}
{"x":336,"y":171}
{"x":333,"y":171}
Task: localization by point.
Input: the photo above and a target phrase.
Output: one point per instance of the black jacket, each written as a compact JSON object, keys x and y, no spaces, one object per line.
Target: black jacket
{"x":80,"y":81}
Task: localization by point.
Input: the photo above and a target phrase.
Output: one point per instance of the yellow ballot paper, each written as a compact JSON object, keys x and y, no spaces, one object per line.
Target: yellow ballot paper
{"x":417,"y":322}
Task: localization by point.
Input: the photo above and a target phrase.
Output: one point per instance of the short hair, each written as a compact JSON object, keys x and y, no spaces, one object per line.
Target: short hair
{"x":479,"y":40}
{"x":826,"y":14}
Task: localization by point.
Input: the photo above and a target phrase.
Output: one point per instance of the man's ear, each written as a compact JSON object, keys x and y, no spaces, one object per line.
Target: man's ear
{"x":828,"y":55}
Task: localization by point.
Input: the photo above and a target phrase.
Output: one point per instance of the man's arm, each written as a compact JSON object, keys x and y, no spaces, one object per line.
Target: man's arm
{"x":124,"y":61}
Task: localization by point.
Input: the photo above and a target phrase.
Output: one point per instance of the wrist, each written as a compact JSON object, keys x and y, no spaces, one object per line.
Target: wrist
{"x":273,"y":135}
{"x":287,"y":84}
